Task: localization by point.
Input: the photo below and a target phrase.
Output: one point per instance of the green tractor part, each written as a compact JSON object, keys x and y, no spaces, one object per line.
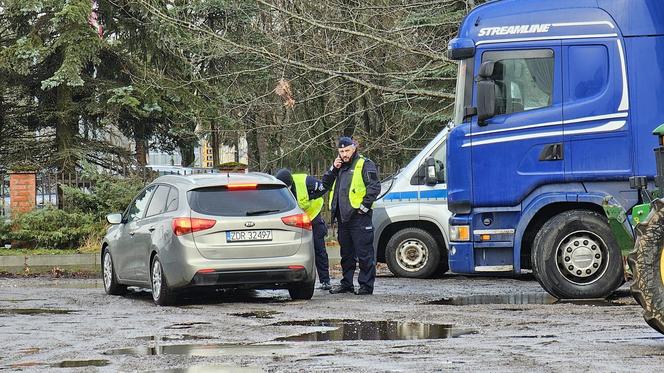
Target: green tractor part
{"x":647,"y":264}
{"x":647,"y":259}
{"x":617,"y":216}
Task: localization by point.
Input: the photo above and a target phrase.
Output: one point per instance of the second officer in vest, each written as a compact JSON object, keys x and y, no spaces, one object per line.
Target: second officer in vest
{"x":354,"y":186}
{"x":309,"y":193}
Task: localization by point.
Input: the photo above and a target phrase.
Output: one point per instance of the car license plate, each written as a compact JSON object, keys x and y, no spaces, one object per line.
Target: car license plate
{"x":262,"y":235}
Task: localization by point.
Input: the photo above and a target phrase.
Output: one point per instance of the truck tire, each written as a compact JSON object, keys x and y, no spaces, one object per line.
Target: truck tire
{"x":647,"y":264}
{"x":575,"y":256}
{"x":413,"y":253}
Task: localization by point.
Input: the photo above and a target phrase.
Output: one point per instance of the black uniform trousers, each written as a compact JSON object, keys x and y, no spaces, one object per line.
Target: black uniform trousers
{"x":356,"y":241}
{"x":319,"y":229}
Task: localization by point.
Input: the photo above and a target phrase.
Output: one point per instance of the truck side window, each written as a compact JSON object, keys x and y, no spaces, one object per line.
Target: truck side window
{"x":524,"y":79}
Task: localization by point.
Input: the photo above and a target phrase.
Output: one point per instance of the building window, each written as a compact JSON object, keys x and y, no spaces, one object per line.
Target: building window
{"x":209,"y":151}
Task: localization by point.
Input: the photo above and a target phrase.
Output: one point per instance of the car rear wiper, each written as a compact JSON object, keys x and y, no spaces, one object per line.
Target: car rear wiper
{"x":260,"y":212}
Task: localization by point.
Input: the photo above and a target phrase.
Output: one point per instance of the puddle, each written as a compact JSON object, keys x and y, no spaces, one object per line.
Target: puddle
{"x":521,"y":298}
{"x":28,"y":351}
{"x":84,"y":284}
{"x":26,"y":364}
{"x":80,"y":363}
{"x":170,"y":338}
{"x":34,"y":311}
{"x":11,"y":300}
{"x":257,"y":314}
{"x":186,"y":325}
{"x":62,"y":364}
{"x":218,"y":349}
{"x":353,"y":330}
{"x":211,"y":369}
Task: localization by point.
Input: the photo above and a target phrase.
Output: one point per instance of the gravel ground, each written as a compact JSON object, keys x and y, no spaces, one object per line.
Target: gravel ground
{"x":48,"y":323}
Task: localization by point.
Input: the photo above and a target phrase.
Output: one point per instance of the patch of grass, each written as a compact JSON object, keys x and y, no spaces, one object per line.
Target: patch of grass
{"x":10,"y":252}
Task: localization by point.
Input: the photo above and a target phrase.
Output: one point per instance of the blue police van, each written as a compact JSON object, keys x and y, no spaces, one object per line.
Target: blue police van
{"x":556,"y":103}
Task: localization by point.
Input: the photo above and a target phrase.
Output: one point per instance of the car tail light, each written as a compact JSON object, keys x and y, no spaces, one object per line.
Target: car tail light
{"x":299,"y":220}
{"x":190,"y":225}
{"x":242,"y":186}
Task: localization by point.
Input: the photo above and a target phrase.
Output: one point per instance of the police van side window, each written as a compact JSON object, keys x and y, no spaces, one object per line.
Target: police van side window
{"x":524,"y":79}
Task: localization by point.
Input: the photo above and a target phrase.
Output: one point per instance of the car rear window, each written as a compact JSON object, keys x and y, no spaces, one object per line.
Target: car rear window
{"x":220,"y":201}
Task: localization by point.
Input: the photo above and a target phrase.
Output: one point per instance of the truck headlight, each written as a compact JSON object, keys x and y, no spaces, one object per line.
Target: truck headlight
{"x":459,"y":232}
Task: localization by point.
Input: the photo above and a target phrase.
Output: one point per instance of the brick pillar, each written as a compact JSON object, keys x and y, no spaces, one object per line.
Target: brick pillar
{"x":22,"y":191}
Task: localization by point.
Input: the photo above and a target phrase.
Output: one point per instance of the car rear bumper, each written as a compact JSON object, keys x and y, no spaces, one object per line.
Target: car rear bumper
{"x":253,"y":278}
{"x":184,"y":266}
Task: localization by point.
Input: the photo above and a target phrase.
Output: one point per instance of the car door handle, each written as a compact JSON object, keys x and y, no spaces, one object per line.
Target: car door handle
{"x":151,"y":229}
{"x":132,"y":233}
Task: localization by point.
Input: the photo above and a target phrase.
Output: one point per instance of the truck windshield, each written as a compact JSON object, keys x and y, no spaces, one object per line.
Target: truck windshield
{"x":464,"y":76}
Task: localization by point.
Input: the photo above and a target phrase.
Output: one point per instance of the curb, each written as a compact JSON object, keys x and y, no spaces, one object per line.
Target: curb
{"x":42,"y":263}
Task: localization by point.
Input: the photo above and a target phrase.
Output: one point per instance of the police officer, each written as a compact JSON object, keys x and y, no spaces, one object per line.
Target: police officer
{"x":354,"y":186}
{"x":309,"y":193}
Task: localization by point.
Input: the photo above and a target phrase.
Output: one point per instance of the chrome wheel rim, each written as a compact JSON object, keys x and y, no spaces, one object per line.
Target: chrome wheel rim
{"x":412,"y":255}
{"x":156,"y":280}
{"x":108,"y":270}
{"x":582,"y":257}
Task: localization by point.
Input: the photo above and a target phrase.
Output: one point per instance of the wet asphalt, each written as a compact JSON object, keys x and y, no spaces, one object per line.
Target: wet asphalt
{"x":454,"y":323}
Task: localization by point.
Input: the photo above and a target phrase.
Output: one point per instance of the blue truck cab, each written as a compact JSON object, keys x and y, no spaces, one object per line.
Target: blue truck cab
{"x":556,"y":103}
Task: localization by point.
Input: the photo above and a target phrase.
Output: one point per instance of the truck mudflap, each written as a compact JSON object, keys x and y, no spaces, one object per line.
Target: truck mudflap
{"x":647,"y":264}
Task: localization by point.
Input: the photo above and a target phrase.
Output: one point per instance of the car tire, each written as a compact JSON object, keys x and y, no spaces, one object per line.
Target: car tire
{"x":413,"y":253}
{"x":647,"y":264}
{"x":302,"y":290}
{"x":111,"y":284}
{"x":575,"y":255}
{"x":162,"y":294}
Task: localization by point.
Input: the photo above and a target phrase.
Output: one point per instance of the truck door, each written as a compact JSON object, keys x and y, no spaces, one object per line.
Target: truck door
{"x":521,"y":147}
{"x":596,"y":105}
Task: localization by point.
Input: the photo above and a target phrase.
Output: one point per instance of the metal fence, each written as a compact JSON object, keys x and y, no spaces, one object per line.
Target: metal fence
{"x":49,"y":182}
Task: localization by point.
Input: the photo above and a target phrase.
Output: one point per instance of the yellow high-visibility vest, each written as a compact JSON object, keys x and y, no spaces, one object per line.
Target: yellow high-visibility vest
{"x":310,"y":206}
{"x":357,"y":187}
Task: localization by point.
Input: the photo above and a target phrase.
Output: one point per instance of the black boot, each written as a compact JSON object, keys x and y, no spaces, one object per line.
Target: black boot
{"x":337,"y":289}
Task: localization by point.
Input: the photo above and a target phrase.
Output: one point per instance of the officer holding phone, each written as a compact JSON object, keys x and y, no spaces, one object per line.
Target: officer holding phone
{"x":354,"y":186}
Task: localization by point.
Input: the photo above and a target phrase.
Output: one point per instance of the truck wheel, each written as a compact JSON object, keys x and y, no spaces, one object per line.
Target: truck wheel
{"x":575,"y":255}
{"x":412,"y":252}
{"x":647,"y":264}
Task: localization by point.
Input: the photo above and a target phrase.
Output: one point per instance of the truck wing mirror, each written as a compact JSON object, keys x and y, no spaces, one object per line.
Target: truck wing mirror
{"x":486,"y":93}
{"x":486,"y":70}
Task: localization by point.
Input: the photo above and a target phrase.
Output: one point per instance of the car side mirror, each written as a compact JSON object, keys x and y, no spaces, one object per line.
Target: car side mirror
{"x":114,"y":218}
{"x":431,"y":176}
{"x":486,"y":93}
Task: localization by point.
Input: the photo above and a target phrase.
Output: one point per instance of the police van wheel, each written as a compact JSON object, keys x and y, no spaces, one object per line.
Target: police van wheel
{"x":414,"y":253}
{"x":574,"y":255}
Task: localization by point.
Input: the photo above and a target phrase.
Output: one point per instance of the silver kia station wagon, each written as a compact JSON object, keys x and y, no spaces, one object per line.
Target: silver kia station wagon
{"x":210,"y":230}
